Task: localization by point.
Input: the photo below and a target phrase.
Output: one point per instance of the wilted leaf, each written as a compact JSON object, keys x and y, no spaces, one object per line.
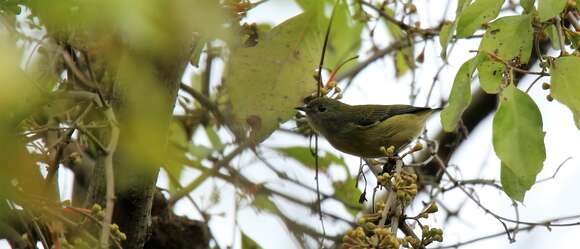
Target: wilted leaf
{"x":476,"y":14}
{"x":490,"y":75}
{"x":460,"y":95}
{"x":518,"y":140}
{"x":265,"y":82}
{"x":510,"y":38}
{"x":550,"y":8}
{"x":566,"y":84}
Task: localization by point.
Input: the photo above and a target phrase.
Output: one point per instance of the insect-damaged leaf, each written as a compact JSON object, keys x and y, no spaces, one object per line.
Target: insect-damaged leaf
{"x":264,"y":83}
{"x":518,"y":140}
{"x":490,"y":75}
{"x":510,"y":38}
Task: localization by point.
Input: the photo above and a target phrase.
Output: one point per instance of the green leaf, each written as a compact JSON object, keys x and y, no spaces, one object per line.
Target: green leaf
{"x":515,"y":186}
{"x":249,"y":243}
{"x":551,"y":31}
{"x":490,"y":75}
{"x":460,"y":95}
{"x":264,"y":204}
{"x":528,"y":5}
{"x":565,"y":85}
{"x":574,"y":38}
{"x":518,"y":140}
{"x":309,"y":5}
{"x":305,"y":157}
{"x":550,"y":8}
{"x":394,"y":30}
{"x":345,"y":37}
{"x":445,"y":37}
{"x":401,"y":63}
{"x":265,"y":82}
{"x":347,"y":192}
{"x":214,"y":139}
{"x":446,"y":34}
{"x":476,"y":14}
{"x":510,"y":38}
{"x":403,"y":59}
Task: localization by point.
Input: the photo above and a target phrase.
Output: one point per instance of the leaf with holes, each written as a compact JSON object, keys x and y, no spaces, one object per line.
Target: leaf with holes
{"x":566,"y":84}
{"x":490,"y":75}
{"x":265,"y":82}
{"x":518,"y":140}
{"x":510,"y":38}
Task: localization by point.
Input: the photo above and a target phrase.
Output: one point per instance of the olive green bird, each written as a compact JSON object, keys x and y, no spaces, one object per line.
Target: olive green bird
{"x":362,"y":130}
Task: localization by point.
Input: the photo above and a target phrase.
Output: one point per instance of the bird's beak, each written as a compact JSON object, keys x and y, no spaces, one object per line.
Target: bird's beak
{"x":301,"y":108}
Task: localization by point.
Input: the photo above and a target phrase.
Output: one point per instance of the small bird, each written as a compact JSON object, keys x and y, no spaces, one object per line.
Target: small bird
{"x":362,"y":130}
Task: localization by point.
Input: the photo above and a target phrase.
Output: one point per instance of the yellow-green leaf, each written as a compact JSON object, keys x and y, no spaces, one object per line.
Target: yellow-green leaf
{"x":515,"y":186}
{"x":305,"y":157}
{"x":265,"y":82}
{"x":446,"y":34}
{"x":249,"y":243}
{"x":263,"y":203}
{"x":445,"y":37}
{"x":566,"y":84}
{"x":510,"y":38}
{"x":460,"y":95}
{"x":348,"y":192}
{"x":528,"y":5}
{"x":518,"y":140}
{"x":550,"y":8}
{"x":476,"y":14}
{"x":490,"y":75}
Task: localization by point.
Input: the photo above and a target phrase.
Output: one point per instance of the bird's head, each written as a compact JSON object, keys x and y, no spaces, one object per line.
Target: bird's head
{"x":323,"y":111}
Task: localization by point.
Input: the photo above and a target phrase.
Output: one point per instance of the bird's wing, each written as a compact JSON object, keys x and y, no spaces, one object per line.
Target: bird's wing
{"x":370,"y":115}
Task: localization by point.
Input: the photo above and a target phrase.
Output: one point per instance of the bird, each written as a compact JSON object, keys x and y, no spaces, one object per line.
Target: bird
{"x":361,"y":130}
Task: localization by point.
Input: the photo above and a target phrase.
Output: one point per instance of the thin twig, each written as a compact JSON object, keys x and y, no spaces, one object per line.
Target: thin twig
{"x":526,"y":228}
{"x":204,"y":101}
{"x":214,"y":170}
{"x":572,"y":19}
{"x":508,"y":65}
{"x":560,"y":35}
{"x":109,"y":177}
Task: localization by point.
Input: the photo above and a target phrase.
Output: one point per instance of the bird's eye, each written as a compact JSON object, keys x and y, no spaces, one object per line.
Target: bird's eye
{"x":321,"y":108}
